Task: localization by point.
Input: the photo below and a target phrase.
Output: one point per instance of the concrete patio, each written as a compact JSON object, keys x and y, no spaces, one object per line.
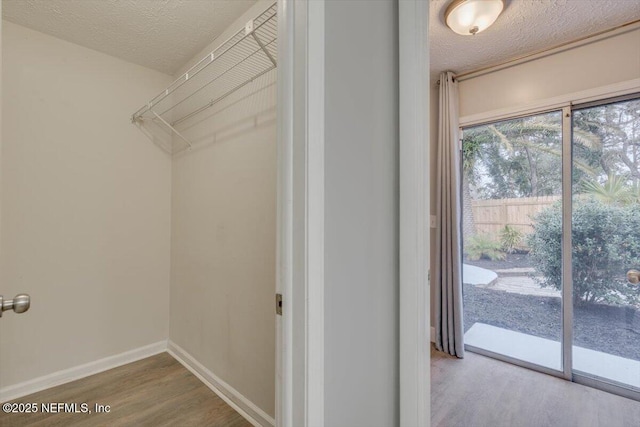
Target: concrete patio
{"x":548,"y":353}
{"x":514,"y":280}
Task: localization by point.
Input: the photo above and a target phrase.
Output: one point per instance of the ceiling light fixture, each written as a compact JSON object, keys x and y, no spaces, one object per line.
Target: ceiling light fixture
{"x":469,"y":17}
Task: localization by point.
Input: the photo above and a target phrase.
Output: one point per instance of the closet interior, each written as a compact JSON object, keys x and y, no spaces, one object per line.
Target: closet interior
{"x":168,"y":245}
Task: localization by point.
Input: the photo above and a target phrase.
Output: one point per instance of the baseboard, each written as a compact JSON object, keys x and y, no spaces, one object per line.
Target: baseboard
{"x":67,"y":375}
{"x":231,"y":396}
{"x":433,"y":334}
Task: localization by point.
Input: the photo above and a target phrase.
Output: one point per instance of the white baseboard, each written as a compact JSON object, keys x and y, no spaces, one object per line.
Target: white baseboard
{"x":231,"y":396}
{"x":433,"y":334}
{"x":67,"y":375}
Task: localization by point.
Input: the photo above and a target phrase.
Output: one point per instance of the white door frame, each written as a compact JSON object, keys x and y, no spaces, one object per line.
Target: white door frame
{"x":300,"y":270}
{"x":284,"y":233}
{"x":415,"y":398}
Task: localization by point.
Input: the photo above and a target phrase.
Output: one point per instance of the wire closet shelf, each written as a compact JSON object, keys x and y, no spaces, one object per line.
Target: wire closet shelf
{"x":248,"y":54}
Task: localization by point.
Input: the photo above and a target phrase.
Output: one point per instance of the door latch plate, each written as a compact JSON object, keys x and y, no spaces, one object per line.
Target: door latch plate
{"x":279,"y":304}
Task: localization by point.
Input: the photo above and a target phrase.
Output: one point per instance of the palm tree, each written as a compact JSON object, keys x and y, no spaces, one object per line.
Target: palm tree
{"x":614,"y":191}
{"x":516,"y":146}
{"x":527,"y":134}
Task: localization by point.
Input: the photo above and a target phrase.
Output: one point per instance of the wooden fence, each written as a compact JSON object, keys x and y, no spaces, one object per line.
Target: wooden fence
{"x":491,"y":216}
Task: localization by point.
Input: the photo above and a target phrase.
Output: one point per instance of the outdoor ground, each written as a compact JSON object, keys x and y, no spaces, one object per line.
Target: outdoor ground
{"x":614,"y":330}
{"x":511,"y":261}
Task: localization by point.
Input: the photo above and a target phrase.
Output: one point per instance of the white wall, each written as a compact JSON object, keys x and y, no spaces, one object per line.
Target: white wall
{"x":600,"y":63}
{"x":0,"y":140}
{"x":587,"y":66}
{"x":85,"y":207}
{"x":224,"y":237}
{"x":361,"y":215}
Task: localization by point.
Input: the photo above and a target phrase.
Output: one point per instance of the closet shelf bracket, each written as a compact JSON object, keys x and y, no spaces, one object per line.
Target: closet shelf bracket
{"x":264,"y":49}
{"x":172,"y":129}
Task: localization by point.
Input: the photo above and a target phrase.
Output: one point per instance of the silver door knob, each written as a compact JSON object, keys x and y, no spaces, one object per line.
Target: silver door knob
{"x":633,"y":276}
{"x":19,"y":304}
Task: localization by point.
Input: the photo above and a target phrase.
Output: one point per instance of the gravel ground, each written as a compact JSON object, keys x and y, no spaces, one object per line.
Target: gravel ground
{"x":610,"y":329}
{"x":511,"y":261}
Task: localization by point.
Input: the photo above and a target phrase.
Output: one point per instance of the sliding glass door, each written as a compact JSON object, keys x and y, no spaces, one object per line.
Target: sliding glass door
{"x":606,"y":242}
{"x":513,"y":180}
{"x":551,"y":242}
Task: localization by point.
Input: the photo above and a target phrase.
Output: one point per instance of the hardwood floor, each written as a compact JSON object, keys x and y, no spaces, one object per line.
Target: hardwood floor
{"x":481,"y":392}
{"x":157,"y":391}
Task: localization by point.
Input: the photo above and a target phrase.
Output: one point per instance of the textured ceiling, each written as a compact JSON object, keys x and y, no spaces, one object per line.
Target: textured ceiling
{"x":525,"y":26}
{"x":165,"y":34}
{"x":158,"y":34}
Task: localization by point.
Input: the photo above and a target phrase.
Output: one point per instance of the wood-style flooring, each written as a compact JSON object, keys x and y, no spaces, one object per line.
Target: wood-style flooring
{"x":478,"y":391}
{"x":157,"y":391}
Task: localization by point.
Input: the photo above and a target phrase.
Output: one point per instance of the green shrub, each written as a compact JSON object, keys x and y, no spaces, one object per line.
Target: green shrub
{"x":510,"y":238}
{"x":606,"y":243}
{"x":483,"y":246}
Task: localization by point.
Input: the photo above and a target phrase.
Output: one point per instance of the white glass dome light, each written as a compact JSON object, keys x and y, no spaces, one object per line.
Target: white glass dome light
{"x":469,"y":17}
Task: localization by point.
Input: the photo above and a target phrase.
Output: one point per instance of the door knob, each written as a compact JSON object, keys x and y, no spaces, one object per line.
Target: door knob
{"x":633,"y":276}
{"x":19,"y":304}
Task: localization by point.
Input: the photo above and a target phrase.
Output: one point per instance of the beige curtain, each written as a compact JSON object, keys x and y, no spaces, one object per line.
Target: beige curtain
{"x":448,"y":269}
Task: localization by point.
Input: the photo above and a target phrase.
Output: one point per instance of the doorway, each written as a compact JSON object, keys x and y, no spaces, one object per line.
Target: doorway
{"x":139,"y":232}
{"x":550,"y":242}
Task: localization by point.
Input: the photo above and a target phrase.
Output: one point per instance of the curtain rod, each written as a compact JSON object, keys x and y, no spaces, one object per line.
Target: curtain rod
{"x":529,"y":55}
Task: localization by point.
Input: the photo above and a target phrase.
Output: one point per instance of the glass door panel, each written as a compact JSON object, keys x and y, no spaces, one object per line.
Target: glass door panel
{"x":606,"y":242}
{"x":512,"y":239}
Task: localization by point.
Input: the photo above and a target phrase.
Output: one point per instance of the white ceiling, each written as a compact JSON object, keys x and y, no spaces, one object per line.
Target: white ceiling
{"x":525,"y":26}
{"x":158,"y":34}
